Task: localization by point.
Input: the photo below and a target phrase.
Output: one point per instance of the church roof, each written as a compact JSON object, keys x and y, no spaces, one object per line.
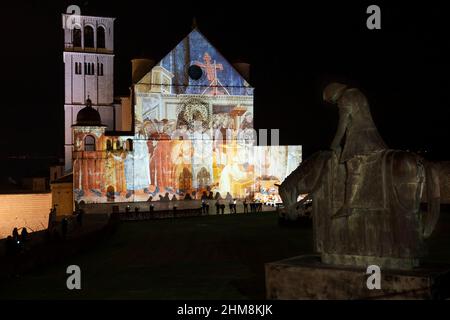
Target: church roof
{"x":193,"y":54}
{"x":88,"y":116}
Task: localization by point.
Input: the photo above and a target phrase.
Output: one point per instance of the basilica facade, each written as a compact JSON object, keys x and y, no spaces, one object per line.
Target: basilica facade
{"x":186,"y":130}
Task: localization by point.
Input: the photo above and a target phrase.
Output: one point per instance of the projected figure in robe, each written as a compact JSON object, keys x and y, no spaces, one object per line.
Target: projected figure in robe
{"x":115,"y":171}
{"x":137,"y":173}
{"x":160,"y":164}
{"x":231,"y":173}
{"x":181,"y":159}
{"x":247,"y":123}
{"x":201,"y":155}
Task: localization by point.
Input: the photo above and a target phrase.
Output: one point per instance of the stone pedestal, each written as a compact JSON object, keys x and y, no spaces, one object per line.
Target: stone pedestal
{"x":306,"y":277}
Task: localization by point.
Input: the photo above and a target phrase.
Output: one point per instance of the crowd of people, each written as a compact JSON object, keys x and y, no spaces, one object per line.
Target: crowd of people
{"x":60,"y":230}
{"x":16,"y":242}
{"x":206,"y":203}
{"x":255,"y":206}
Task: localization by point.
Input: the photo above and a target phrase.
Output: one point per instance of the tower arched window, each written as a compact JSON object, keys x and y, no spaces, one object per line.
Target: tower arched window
{"x":88,"y":37}
{"x":101,"y":37}
{"x":89,"y":143}
{"x":76,"y":36}
{"x":92,"y":68}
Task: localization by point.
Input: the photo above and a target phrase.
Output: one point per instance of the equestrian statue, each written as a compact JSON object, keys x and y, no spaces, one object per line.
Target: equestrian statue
{"x":366,"y":197}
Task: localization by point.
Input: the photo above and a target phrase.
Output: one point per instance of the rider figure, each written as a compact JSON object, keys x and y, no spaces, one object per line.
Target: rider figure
{"x":361,"y":137}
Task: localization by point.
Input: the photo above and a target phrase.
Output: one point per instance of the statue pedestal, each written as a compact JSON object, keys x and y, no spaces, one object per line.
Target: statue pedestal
{"x":306,"y":277}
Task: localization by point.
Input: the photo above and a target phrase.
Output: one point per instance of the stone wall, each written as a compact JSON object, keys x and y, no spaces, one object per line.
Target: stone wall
{"x":62,"y":198}
{"x":24,"y":210}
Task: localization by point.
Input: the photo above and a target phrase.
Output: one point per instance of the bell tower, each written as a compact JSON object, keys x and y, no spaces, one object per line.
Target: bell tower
{"x":88,"y":72}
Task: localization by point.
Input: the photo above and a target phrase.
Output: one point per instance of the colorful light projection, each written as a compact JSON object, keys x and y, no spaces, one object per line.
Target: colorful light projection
{"x":193,"y":135}
{"x":180,"y":169}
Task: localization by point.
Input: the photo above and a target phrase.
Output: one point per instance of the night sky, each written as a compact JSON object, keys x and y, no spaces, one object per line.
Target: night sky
{"x":294,"y":51}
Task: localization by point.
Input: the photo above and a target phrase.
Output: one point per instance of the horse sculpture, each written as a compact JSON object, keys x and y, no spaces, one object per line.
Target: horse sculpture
{"x":366,"y":197}
{"x":387,"y":227}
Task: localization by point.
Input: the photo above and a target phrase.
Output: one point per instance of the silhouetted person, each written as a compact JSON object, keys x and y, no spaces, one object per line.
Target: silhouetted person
{"x":245,"y":206}
{"x":64,"y":227}
{"x":52,"y":218}
{"x":10,"y":246}
{"x":204,"y":206}
{"x":136,"y":212}
{"x":222,"y":208}
{"x":15,"y":235}
{"x":56,"y":235}
{"x":24,"y":235}
{"x":80,"y":217}
{"x":217,"y":206}
{"x":174,"y":211}
{"x":166,"y":197}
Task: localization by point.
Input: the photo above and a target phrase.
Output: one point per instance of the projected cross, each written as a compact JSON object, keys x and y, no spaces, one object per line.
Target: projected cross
{"x":210,"y":69}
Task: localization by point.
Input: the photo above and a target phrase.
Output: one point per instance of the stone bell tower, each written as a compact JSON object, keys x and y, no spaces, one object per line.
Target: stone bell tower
{"x":88,"y":71}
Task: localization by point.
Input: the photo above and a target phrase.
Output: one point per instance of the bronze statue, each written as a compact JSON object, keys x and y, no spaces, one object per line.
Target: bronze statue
{"x":361,"y":137}
{"x":366,"y":198}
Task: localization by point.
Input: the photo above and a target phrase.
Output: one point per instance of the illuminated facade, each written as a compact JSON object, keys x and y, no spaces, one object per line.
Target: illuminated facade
{"x":88,"y":72}
{"x":192,"y":136}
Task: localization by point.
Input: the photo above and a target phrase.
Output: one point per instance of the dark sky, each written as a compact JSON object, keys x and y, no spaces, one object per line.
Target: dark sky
{"x":404,"y":68}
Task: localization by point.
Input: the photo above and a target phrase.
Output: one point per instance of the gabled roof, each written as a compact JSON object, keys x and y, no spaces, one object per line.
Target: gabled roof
{"x":217,"y":73}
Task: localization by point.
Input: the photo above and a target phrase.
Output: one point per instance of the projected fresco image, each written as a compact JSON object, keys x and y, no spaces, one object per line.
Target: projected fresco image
{"x":193,"y":135}
{"x":184,"y":169}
